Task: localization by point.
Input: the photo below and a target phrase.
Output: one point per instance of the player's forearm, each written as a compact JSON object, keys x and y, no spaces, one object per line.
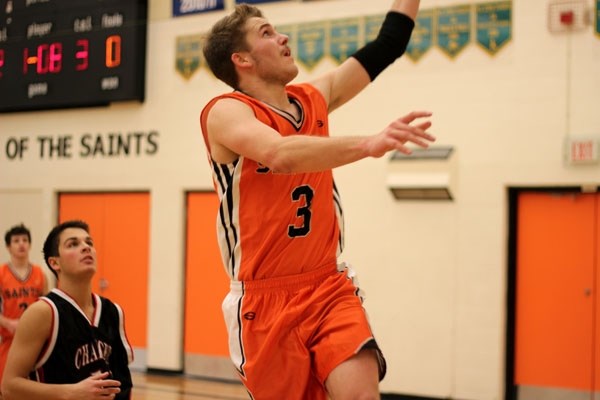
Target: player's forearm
{"x":24,"y":389}
{"x":311,"y":153}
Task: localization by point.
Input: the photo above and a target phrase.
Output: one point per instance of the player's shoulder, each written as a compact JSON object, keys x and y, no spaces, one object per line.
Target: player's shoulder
{"x":229,"y":105}
{"x":5,"y":273}
{"x":40,"y":309}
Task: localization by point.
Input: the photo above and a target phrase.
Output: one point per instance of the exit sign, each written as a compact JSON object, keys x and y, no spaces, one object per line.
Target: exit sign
{"x":581,"y":150}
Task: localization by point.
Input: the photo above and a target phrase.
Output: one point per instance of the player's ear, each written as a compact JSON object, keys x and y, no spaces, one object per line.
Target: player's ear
{"x":240,"y":60}
{"x":54,"y":264}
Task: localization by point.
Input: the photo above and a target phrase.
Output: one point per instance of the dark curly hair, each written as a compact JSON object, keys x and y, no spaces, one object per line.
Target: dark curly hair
{"x":51,"y":242}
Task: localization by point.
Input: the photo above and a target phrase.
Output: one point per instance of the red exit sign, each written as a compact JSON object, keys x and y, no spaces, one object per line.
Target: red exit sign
{"x":582,"y":150}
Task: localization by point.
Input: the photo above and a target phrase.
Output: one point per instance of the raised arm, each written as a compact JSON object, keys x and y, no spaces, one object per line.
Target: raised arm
{"x":353,"y":75}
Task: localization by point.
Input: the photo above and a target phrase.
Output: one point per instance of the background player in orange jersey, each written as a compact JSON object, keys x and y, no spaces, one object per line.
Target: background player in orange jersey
{"x":21,"y":283}
{"x":297,"y":328}
{"x":71,"y":343}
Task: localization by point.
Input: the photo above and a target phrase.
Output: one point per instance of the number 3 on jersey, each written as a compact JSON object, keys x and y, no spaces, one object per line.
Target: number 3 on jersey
{"x":304,"y":195}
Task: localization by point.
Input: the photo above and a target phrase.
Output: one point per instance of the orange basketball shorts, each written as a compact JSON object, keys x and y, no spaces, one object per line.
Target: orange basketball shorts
{"x":287,"y":334}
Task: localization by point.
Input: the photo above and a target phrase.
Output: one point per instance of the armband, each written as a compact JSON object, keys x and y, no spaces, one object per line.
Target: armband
{"x":389,"y":44}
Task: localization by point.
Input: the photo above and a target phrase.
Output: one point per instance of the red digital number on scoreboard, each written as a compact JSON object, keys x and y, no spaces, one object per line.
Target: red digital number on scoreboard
{"x":48,"y":57}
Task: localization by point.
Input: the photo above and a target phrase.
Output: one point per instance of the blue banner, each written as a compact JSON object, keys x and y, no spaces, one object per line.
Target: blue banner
{"x":421,"y":39}
{"x":188,"y":54}
{"x":453,"y":29}
{"x":493,"y":25}
{"x":344,"y":38}
{"x":311,"y":43}
{"x":186,"y":7}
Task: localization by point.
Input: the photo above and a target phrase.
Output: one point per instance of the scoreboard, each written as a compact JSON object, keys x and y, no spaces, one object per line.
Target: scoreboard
{"x":71,"y":53}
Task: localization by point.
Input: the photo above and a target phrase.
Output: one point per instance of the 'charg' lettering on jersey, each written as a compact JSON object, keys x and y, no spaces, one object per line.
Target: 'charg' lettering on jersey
{"x":267,"y":221}
{"x":92,"y":352}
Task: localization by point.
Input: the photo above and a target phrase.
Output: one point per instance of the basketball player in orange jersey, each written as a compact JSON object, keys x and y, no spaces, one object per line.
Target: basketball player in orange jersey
{"x":297,"y":327}
{"x":21,"y":283}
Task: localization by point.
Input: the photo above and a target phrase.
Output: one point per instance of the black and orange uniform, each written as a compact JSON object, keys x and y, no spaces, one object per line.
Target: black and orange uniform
{"x":78,"y":348}
{"x":293,"y":312}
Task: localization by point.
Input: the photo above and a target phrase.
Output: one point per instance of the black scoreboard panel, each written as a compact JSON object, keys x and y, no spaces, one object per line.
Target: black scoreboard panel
{"x":71,"y":53}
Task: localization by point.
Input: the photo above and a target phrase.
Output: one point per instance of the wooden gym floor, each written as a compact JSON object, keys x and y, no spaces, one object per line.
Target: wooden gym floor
{"x":180,"y":387}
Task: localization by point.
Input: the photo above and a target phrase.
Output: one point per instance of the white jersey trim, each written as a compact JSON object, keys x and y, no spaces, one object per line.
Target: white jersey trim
{"x":122,"y":334}
{"x":53,"y":334}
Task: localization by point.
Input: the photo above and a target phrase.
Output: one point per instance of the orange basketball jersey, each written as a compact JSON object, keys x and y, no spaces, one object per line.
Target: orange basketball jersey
{"x":272,"y":225}
{"x":17,"y":294}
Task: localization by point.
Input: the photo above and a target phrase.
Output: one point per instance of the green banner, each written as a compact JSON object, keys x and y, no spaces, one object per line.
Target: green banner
{"x":453,"y":29}
{"x":494,"y":25}
{"x":597,"y":17}
{"x":372,"y":26}
{"x":188,"y":54}
{"x":311,"y":43}
{"x":421,"y":39}
{"x":344,"y":38}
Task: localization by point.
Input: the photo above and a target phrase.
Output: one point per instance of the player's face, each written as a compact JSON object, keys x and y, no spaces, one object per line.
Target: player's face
{"x":77,"y":253}
{"x":269,"y":52}
{"x":19,"y":246}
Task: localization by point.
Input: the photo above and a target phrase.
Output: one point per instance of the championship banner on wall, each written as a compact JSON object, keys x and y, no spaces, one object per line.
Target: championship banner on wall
{"x":372,"y":26}
{"x":344,"y":39}
{"x":421,"y":39}
{"x":597,"y":17}
{"x":186,"y":7}
{"x":188,"y":54}
{"x":311,"y":43}
{"x":448,"y":28}
{"x":453,"y":29}
{"x":493,"y":25}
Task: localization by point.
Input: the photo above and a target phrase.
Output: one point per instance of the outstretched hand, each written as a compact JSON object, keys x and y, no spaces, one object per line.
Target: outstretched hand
{"x":96,"y":387}
{"x":409,"y":128}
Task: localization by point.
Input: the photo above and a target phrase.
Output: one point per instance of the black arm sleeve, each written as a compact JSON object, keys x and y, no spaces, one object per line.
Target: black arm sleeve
{"x":389,"y":44}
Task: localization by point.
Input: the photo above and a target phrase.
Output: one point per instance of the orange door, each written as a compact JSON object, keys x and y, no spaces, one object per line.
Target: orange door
{"x":206,"y":282}
{"x":119,"y":225}
{"x":596,"y":293}
{"x":557,"y":248}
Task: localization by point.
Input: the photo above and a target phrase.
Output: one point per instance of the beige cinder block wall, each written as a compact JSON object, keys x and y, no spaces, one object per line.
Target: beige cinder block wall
{"x":434,"y":272}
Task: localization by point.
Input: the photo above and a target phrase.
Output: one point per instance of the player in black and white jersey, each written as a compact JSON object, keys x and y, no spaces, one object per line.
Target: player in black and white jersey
{"x":70,"y":344}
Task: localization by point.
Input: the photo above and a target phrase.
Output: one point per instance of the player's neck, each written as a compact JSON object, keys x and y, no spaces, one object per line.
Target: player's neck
{"x":20,"y":268}
{"x":19,"y":263}
{"x":273,"y":94}
{"x":274,"y":98}
{"x":80,"y":292}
